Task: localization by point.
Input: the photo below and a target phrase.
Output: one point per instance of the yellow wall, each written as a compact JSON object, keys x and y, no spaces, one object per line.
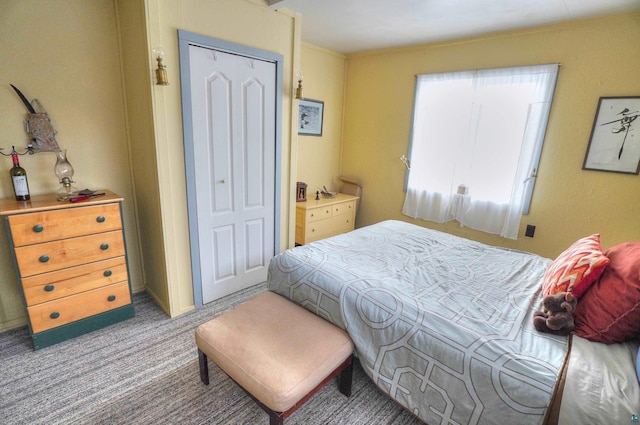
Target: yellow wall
{"x":599,"y":57}
{"x":138,"y":81}
{"x":319,"y":157}
{"x":90,"y":63}
{"x":124,"y":133}
{"x":246,"y":22}
{"x":64,"y":53}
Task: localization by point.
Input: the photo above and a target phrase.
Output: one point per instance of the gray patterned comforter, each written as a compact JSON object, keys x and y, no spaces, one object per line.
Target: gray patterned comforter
{"x":440,"y":323}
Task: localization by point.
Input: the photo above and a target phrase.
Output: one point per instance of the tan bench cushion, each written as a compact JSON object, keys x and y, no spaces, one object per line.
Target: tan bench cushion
{"x":273,"y":348}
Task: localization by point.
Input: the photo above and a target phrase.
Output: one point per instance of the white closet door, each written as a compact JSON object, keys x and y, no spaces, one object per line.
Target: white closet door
{"x":233,"y":118}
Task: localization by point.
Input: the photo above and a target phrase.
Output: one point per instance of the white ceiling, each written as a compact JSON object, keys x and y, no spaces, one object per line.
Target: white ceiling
{"x":349,"y":26}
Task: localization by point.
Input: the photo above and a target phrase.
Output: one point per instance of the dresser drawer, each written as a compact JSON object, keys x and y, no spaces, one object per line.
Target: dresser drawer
{"x":49,"y":256}
{"x":75,"y":307}
{"x":321,"y":218}
{"x":45,"y":226}
{"x":344,"y":208}
{"x":319,"y":213}
{"x":329,"y":227}
{"x":53,"y":285}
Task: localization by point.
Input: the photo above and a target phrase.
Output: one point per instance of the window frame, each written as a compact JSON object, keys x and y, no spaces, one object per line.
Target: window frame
{"x":536,"y":155}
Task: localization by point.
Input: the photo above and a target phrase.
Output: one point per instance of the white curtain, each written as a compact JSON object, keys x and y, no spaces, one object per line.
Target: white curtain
{"x":483,"y":130}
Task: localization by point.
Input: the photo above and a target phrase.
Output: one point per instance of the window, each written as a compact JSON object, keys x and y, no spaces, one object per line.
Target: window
{"x":475,"y":145}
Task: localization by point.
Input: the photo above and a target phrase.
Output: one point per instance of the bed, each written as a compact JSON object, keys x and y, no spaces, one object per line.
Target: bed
{"x":443,"y":325}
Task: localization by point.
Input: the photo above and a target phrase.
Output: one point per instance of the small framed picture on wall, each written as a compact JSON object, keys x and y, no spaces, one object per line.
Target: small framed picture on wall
{"x":310,"y":116}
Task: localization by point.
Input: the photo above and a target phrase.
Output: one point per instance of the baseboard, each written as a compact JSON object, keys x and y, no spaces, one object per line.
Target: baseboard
{"x":158,"y":301}
{"x":13,"y":324}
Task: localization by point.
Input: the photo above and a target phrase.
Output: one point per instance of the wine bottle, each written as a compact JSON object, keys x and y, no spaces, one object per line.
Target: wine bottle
{"x":19,"y":178}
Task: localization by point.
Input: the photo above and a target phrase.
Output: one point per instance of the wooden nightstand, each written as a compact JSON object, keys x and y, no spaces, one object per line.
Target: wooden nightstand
{"x":324,"y":217}
{"x":71,"y":263}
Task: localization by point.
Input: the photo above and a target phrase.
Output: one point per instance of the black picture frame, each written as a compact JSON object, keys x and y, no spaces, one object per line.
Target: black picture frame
{"x":614,"y":145}
{"x":310,"y":117}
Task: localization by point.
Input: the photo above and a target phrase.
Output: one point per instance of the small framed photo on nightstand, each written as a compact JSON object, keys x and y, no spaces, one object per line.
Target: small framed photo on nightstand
{"x":301,"y":192}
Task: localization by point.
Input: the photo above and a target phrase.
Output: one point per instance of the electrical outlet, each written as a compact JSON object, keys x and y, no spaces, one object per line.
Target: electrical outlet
{"x":530,"y":230}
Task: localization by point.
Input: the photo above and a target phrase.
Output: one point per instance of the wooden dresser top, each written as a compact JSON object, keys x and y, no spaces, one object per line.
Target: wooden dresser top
{"x":312,"y":203}
{"x":10,"y":206}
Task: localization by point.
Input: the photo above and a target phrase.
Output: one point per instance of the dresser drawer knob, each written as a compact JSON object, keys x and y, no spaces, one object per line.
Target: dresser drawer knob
{"x":104,"y":246}
{"x":54,"y":315}
{"x":100,"y":219}
{"x":43,"y":258}
{"x":107,"y":273}
{"x":38,"y":228}
{"x":49,"y":288}
{"x":111,"y":298}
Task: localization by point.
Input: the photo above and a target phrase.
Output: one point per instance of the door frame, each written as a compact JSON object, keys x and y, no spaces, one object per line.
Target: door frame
{"x":186,"y":39}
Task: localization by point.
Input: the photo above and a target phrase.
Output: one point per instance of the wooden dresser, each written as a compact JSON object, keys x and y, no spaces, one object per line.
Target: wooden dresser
{"x":71,"y":263}
{"x":324,"y":217}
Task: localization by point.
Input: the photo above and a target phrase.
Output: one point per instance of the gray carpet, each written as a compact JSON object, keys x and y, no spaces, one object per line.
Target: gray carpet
{"x":145,"y":371}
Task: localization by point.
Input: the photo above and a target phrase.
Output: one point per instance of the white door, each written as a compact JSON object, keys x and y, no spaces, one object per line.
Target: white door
{"x":233,"y":119}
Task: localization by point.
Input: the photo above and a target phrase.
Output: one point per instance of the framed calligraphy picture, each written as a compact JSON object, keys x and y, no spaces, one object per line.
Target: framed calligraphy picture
{"x":615,"y":137}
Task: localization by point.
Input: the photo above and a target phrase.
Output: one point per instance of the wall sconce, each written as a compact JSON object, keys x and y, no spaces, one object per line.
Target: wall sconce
{"x":161,"y":71}
{"x":299,"y":94}
{"x":405,"y":161}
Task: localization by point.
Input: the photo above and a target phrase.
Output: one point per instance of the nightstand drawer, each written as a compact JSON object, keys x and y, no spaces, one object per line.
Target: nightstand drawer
{"x":45,"y":226}
{"x":46,"y":257}
{"x":344,"y":208}
{"x":53,"y":285}
{"x":75,"y":307}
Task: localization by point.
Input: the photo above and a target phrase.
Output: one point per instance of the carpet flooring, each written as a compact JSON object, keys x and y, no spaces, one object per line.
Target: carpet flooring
{"x":145,"y":371}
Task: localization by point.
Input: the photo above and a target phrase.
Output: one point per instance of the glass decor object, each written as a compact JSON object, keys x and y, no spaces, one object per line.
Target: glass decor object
{"x":64,"y":172}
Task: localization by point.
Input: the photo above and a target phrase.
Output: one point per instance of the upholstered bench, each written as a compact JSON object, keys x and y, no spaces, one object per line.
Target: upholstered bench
{"x":278,"y":352}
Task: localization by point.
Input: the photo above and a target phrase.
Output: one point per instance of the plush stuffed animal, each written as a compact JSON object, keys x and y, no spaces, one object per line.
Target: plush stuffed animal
{"x":556,"y":316}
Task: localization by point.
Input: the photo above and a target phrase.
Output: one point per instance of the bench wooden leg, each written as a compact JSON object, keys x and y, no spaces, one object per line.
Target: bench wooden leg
{"x":275,"y":418}
{"x":204,"y":367}
{"x":345,"y":379}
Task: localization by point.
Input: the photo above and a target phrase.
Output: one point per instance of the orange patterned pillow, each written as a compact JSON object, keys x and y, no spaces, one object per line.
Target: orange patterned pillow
{"x":576,"y":268}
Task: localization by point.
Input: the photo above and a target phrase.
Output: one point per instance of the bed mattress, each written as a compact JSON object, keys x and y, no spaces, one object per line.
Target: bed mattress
{"x":441,"y":324}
